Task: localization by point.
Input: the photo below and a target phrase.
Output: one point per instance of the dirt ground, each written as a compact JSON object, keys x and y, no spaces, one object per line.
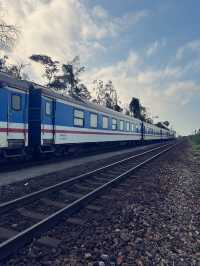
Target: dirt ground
{"x":151,"y":219}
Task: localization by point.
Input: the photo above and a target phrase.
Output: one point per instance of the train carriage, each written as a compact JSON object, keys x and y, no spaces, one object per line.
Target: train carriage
{"x":66,"y":121}
{"x":152,"y":133}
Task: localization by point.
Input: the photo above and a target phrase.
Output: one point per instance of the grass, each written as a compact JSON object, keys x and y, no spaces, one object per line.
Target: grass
{"x":195,"y":140}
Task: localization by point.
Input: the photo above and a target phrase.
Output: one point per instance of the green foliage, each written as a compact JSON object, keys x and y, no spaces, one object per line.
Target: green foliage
{"x":195,"y":140}
{"x":139,"y":111}
{"x":106,"y":94}
{"x":69,"y":80}
{"x":8,"y":35}
{"x":166,"y":123}
{"x":135,"y":107}
{"x":65,"y":77}
{"x":162,"y":125}
{"x":15,"y":70}
{"x":50,"y":66}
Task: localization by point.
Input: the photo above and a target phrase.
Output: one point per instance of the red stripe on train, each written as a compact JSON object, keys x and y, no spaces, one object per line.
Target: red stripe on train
{"x":13,"y":130}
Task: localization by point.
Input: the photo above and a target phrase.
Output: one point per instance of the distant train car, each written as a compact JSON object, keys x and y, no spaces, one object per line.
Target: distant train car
{"x":152,"y":132}
{"x":35,"y":119}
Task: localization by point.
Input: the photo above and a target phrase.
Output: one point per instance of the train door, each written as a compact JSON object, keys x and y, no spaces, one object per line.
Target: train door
{"x":17,"y":116}
{"x":48,"y":121}
{"x":161,"y":137}
{"x":142,"y":131}
{"x":3,"y":116}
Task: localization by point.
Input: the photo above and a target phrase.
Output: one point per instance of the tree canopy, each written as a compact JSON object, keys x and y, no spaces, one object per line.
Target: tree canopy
{"x":166,"y":123}
{"x":50,"y":67}
{"x":15,"y":70}
{"x":63,"y":77}
{"x":106,"y":94}
{"x":139,"y":111}
{"x":8,"y":33}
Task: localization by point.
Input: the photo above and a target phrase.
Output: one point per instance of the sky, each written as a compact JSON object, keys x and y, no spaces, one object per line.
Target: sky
{"x":150,"y":49}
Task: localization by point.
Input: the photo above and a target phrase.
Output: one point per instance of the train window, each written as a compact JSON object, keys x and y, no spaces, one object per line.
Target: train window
{"x":114,"y":124}
{"x":78,"y":118}
{"x":48,"y":108}
{"x":93,"y":120}
{"x":121,"y":125}
{"x":127,"y":126}
{"x":132,"y":127}
{"x":135,"y":127}
{"x":105,"y":122}
{"x":16,"y":102}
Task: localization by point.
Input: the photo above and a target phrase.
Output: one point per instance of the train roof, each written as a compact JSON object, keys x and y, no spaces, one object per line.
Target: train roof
{"x":87,"y":104}
{"x":13,"y":82}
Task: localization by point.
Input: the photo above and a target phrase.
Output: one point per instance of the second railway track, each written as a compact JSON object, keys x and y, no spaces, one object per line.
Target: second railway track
{"x":25,"y":218}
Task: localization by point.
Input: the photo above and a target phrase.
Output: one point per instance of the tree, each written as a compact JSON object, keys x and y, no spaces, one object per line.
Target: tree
{"x":143,"y":114}
{"x":15,"y":70}
{"x":127,"y":112}
{"x":149,"y":120}
{"x":65,"y":78}
{"x":71,"y":74}
{"x":50,"y":67}
{"x":162,"y":125}
{"x":139,"y":111}
{"x":3,"y":63}
{"x":106,"y":94}
{"x":8,"y":33}
{"x":166,"y":123}
{"x":69,"y":80}
{"x":82,"y":92}
{"x":135,"y":107}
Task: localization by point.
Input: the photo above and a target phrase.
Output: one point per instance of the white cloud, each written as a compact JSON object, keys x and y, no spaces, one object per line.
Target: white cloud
{"x":159,"y":89}
{"x":154,"y":47}
{"x":182,"y":91}
{"x":190,"y":47}
{"x":64,"y":28}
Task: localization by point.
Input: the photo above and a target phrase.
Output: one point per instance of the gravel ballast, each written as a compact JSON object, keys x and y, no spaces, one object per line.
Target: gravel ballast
{"x":150,"y":219}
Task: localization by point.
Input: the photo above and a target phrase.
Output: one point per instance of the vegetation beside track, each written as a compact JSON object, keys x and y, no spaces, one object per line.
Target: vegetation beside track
{"x":195,"y":140}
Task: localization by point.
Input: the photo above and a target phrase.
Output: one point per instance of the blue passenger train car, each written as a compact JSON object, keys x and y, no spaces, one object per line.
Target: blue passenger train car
{"x":36,"y":119}
{"x":66,"y":121}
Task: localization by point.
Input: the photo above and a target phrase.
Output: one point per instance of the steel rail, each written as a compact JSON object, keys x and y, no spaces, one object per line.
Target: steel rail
{"x":14,"y":243}
{"x":6,"y":206}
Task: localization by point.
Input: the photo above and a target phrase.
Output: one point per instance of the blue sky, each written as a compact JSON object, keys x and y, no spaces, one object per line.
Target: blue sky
{"x":173,"y":23}
{"x":149,"y":48}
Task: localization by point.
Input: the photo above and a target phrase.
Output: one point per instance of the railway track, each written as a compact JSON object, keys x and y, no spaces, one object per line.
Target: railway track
{"x":20,"y":163}
{"x":28,"y":217}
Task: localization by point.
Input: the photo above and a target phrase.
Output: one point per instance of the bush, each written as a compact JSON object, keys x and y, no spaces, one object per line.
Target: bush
{"x":195,"y":139}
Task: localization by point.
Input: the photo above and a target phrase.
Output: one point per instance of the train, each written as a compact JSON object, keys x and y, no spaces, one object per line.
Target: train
{"x":37,"y":120}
